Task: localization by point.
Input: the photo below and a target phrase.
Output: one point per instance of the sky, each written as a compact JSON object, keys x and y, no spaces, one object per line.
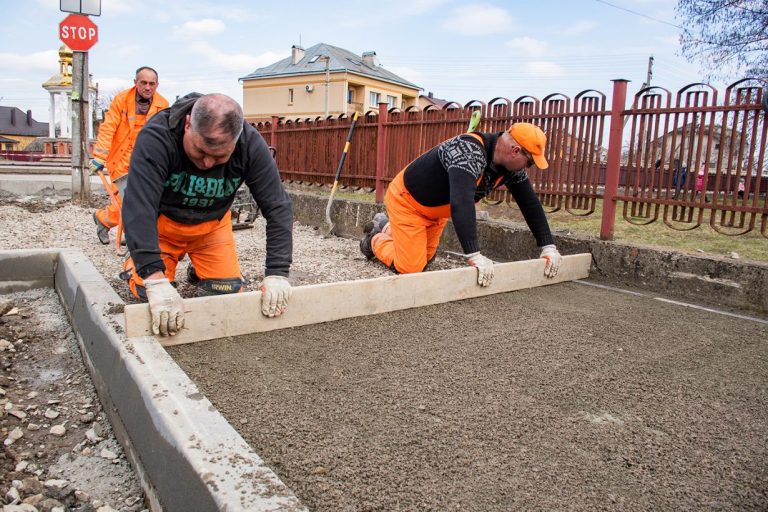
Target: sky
{"x":459,"y":50}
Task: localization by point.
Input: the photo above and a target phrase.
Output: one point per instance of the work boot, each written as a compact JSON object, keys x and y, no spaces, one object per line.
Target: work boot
{"x":371,"y":229}
{"x":192,"y":277}
{"x":102,"y":231}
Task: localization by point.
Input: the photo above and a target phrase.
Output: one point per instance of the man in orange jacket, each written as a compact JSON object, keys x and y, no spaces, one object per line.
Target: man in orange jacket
{"x":127,"y":113}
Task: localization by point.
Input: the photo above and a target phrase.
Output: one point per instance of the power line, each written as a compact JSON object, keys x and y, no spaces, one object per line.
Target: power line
{"x":639,"y":14}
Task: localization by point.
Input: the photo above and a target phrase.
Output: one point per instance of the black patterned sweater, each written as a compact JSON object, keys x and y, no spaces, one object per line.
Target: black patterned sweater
{"x":460,"y":172}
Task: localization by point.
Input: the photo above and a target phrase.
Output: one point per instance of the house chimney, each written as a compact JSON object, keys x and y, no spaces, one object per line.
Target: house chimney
{"x":430,"y":94}
{"x":369,"y":59}
{"x":29,"y":118}
{"x":297,"y":53}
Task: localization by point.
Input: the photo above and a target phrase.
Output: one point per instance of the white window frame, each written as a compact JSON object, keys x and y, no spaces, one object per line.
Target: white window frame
{"x":391,"y":101}
{"x":377,"y":96}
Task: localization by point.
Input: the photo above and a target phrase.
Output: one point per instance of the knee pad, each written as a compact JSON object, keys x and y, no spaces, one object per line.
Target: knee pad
{"x":219,"y":286}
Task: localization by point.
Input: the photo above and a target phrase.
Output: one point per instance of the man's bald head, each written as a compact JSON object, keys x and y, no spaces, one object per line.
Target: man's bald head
{"x":217,"y":118}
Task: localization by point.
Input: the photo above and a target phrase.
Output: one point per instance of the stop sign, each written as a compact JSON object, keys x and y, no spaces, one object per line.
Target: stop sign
{"x":78,"y":32}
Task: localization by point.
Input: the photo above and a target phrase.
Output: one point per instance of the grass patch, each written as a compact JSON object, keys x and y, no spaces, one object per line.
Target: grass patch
{"x":703,"y":239}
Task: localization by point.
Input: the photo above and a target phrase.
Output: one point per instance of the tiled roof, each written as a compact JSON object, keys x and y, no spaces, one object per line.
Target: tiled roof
{"x":13,"y":121}
{"x":340,"y":60}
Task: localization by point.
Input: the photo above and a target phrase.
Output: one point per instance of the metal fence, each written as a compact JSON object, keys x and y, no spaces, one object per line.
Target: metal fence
{"x":684,"y":159}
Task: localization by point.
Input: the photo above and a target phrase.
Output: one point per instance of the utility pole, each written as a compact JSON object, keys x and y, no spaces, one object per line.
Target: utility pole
{"x":81,"y":185}
{"x":649,"y":75}
{"x":647,"y":83}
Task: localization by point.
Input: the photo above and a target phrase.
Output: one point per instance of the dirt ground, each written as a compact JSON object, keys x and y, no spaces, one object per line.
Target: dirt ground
{"x":58,"y":446}
{"x":564,"y":397}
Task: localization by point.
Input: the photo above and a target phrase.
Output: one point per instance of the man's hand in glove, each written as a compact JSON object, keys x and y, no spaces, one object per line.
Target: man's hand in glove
{"x":549,"y":253}
{"x":484,"y":267}
{"x":275,"y":292}
{"x":166,"y":307}
{"x":95,"y":165}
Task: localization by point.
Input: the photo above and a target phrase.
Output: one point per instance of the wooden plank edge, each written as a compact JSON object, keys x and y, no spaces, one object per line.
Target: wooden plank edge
{"x":221,"y":316}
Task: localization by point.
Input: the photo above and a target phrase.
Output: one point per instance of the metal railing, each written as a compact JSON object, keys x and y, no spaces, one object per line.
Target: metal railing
{"x":684,"y":159}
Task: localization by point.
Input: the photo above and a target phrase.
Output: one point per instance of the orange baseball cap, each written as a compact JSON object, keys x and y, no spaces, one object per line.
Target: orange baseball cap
{"x":532,"y":139}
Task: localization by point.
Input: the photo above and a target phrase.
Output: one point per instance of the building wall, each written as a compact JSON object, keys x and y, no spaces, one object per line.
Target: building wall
{"x":23,"y":141}
{"x":269,"y":97}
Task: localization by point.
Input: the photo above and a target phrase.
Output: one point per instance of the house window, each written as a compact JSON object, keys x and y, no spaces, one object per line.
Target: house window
{"x":350,"y":96}
{"x":290,"y":96}
{"x":375,"y":97}
{"x":391,"y":101}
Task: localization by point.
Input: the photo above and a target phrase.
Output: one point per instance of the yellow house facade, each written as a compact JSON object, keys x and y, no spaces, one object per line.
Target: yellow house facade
{"x":19,"y":128}
{"x":323,"y":80}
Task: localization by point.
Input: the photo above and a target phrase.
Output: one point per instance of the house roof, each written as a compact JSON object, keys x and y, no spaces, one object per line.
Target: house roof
{"x":438,"y":102}
{"x":340,"y":60}
{"x":14,"y":121}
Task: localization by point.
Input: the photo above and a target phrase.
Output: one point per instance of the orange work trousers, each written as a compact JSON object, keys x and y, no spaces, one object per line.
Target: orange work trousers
{"x":210,"y":246}
{"x":414,"y":230}
{"x":110,"y":214}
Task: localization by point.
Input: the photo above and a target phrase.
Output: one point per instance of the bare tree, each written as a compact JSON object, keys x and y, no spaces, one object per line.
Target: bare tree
{"x":729,"y":38}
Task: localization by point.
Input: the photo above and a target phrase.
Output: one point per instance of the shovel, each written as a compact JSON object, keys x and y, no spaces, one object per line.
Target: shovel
{"x":338,"y":174}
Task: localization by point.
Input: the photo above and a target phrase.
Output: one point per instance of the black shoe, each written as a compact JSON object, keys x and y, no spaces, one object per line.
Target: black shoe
{"x":376,"y":225}
{"x":371,"y":229}
{"x":192,"y":275}
{"x":102,"y":231}
{"x":365,"y":246}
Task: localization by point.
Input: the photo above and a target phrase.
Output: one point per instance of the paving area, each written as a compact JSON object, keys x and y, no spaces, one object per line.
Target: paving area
{"x":564,"y":397}
{"x":560,"y":397}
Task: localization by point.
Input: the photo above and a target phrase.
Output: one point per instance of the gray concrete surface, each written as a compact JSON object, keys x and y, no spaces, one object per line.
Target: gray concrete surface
{"x":43,"y":185}
{"x":185,"y":453}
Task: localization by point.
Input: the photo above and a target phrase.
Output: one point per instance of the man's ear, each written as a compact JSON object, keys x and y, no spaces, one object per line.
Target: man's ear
{"x":187,"y":123}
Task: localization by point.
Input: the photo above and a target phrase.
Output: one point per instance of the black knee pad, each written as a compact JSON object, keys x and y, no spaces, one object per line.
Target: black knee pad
{"x":219,"y":286}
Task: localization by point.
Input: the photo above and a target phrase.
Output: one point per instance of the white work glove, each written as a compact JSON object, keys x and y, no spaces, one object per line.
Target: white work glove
{"x":275,"y":292}
{"x":166,"y":307}
{"x":95,"y":165}
{"x":549,"y":253}
{"x":484,"y":267}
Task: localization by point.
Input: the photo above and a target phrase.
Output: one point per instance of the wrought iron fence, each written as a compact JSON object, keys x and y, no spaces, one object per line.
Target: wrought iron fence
{"x":683,"y":159}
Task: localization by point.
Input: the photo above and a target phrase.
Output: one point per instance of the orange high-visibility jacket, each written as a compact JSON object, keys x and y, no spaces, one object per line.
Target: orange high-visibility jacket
{"x":118,"y":132}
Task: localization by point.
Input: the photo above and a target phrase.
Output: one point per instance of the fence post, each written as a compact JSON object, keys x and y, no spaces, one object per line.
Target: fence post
{"x":381,"y":152}
{"x":273,"y":132}
{"x":613,"y":165}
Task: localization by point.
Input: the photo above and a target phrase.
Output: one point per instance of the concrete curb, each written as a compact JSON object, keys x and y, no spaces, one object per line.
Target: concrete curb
{"x":701,"y":279}
{"x":44,"y":185}
{"x":185,"y":453}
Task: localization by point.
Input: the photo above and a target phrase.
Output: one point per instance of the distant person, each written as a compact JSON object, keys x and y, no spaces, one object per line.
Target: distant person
{"x":741,"y":188}
{"x":700,"y":177}
{"x":445,"y":183}
{"x":678,"y":176}
{"x":127,"y":114}
{"x":187,"y":165}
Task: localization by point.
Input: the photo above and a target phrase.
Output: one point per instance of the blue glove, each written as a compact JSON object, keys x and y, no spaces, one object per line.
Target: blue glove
{"x":95,"y":165}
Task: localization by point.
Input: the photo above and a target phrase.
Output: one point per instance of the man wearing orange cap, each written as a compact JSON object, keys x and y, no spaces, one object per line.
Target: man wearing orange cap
{"x":445,"y":183}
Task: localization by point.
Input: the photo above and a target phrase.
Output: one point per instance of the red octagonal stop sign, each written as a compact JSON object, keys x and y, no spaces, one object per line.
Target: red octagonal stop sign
{"x":78,"y":32}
